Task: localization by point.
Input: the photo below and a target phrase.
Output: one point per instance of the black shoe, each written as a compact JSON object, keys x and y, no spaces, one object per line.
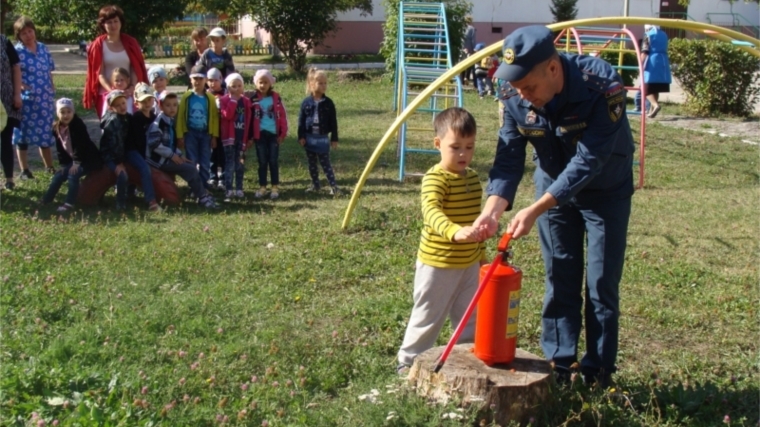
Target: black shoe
{"x":26,"y":174}
{"x":602,"y":380}
{"x":10,"y":185}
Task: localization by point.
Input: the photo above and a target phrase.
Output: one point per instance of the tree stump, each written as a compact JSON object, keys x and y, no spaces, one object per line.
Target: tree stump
{"x":351,"y":75}
{"x":517,"y":390}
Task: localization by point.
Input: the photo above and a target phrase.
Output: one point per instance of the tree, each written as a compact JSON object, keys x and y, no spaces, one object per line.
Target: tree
{"x":75,"y":20}
{"x":296,"y":26}
{"x":564,"y":10}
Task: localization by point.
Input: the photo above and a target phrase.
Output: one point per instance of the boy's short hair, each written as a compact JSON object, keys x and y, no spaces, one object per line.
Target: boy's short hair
{"x":199,"y":33}
{"x":167,"y":95}
{"x":457,"y":119}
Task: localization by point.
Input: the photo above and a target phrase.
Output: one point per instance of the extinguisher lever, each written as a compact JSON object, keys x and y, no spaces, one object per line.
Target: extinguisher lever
{"x":504,"y":242}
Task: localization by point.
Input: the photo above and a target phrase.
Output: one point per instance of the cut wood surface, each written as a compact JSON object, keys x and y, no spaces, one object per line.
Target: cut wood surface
{"x":517,"y":390}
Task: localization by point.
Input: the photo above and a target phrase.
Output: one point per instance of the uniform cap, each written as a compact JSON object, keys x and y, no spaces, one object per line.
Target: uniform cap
{"x":525,"y":48}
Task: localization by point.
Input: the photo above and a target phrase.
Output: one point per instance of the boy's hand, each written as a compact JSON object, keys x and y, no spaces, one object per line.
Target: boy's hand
{"x":181,"y":143}
{"x":73,"y":170}
{"x":302,"y":141}
{"x":334,"y":144}
{"x":467,"y":234}
{"x":177,"y":160}
{"x":119,"y":169}
{"x":213,"y":142}
{"x":280,"y":139}
{"x":248,"y":145}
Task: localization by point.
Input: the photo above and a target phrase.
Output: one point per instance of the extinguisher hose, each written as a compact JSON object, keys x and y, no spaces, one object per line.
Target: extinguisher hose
{"x":470,"y":308}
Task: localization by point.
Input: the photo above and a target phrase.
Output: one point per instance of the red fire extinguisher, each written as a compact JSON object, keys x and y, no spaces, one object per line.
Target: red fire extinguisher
{"x":498,"y":335}
{"x":498,"y":310}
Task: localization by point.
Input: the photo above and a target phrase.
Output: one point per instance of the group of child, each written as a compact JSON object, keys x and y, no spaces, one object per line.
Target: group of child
{"x":214,"y":122}
{"x":484,"y":72}
{"x":215,"y":113}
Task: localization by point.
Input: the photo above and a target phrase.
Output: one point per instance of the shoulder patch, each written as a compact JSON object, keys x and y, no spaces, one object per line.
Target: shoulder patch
{"x":506,"y":91}
{"x":595,"y":82}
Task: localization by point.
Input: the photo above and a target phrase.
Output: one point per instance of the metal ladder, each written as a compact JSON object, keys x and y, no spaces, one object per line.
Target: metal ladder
{"x":422,"y":55}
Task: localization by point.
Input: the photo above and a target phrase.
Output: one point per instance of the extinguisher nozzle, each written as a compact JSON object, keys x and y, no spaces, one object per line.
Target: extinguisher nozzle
{"x":438,"y":367}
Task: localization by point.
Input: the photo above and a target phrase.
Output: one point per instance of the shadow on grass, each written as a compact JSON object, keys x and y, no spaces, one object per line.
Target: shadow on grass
{"x":672,"y":402}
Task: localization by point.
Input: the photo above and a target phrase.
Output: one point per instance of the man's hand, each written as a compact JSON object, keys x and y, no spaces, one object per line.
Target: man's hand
{"x":213,"y":142}
{"x":523,"y":221}
{"x":181,"y":143}
{"x":73,"y":170}
{"x":119,"y":169}
{"x":177,"y":160}
{"x":280,"y":139}
{"x":334,"y":144}
{"x":302,"y":141}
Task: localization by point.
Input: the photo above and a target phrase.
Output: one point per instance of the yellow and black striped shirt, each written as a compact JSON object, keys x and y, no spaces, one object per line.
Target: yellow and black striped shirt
{"x":449,"y":202}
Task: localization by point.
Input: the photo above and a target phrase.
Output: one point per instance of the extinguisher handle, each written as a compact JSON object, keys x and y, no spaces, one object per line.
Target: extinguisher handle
{"x":504,"y":242}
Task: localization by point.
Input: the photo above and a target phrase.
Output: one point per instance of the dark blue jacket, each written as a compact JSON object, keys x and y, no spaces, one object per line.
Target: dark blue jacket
{"x":583,"y":142}
{"x":328,"y":118}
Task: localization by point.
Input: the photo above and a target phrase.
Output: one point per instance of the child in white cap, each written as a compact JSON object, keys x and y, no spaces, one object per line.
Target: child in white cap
{"x":217,"y":55}
{"x":270,"y":127}
{"x":77,"y":154}
{"x":158,"y":81}
{"x":215,"y":83}
{"x":235,"y":133}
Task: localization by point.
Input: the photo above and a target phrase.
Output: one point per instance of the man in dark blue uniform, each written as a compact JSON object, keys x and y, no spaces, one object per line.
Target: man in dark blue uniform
{"x":572,"y":110}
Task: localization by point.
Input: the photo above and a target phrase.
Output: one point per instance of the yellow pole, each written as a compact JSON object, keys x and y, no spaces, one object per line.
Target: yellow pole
{"x":719,"y":32}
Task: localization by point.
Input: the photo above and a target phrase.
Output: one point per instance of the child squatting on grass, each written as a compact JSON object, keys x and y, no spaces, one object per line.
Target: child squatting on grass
{"x":451,"y":249}
{"x":316,"y":120}
{"x":162,"y":151}
{"x":235,"y":133}
{"x":77,"y":154}
{"x":270,"y":127}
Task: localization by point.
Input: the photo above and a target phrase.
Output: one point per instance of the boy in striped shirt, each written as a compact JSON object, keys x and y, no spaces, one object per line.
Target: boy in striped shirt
{"x":451,"y":249}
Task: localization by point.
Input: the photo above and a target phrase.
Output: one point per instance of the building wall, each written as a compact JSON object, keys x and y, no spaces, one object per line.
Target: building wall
{"x":494,"y":19}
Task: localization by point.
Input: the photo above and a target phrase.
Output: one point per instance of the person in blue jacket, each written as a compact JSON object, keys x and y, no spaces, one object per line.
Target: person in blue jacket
{"x":654,"y":56}
{"x":571,"y":108}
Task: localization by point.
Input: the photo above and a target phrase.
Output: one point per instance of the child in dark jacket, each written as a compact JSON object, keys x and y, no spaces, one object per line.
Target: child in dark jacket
{"x":316,"y":120}
{"x":77,"y":154}
{"x":162,"y":152}
{"x":135,"y":144}
{"x":115,"y":126}
{"x":270,"y":127}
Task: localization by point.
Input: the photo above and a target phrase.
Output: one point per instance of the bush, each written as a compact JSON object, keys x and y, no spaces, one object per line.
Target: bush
{"x":456,"y":12}
{"x":629,"y":59}
{"x":718,"y":77}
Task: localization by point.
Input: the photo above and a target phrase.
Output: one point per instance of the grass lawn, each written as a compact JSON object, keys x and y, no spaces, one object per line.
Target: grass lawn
{"x":267,"y":310}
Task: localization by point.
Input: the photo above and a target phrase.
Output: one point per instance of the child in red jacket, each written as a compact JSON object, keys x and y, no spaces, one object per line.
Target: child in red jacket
{"x":236,"y":137}
{"x":270,"y":126}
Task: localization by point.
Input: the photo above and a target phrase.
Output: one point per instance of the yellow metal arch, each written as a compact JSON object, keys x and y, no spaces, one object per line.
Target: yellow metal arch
{"x":711,"y":30}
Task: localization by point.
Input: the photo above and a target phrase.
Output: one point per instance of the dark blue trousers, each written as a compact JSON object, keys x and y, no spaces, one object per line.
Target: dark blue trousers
{"x":602,"y":224}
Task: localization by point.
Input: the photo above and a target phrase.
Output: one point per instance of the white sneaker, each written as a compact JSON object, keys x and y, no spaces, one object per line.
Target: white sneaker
{"x":221,"y":185}
{"x":334,"y":191}
{"x":239,"y":194}
{"x":229,"y":195}
{"x":259,"y":193}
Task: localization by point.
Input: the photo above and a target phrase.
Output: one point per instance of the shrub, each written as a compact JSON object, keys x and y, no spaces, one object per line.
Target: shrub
{"x":629,"y":59}
{"x":456,"y":12}
{"x":718,"y":77}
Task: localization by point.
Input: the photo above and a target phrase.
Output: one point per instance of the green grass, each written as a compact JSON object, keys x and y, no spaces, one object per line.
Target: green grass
{"x":105,"y":316}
